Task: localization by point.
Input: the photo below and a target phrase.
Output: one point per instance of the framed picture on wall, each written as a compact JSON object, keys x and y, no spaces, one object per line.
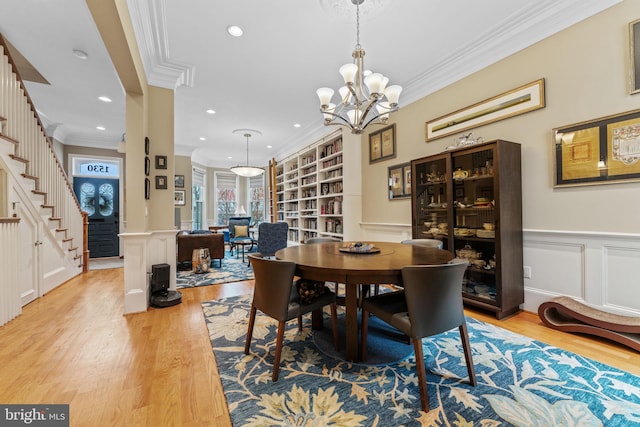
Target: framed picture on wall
{"x":382,"y":144}
{"x":147,"y":166}
{"x":398,"y":176}
{"x":634,"y":44}
{"x":147,"y":188}
{"x":146,"y":145}
{"x":161,"y":182}
{"x":161,"y":162}
{"x":179,"y":181}
{"x":179,"y":198}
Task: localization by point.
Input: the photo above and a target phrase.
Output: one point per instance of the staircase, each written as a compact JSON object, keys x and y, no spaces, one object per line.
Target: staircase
{"x":34,"y":188}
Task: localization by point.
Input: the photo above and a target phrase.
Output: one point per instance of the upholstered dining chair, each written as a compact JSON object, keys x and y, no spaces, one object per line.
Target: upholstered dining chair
{"x":272,"y":236}
{"x":431,"y":243}
{"x":275,"y":294}
{"x":431,"y":303}
{"x":324,"y":239}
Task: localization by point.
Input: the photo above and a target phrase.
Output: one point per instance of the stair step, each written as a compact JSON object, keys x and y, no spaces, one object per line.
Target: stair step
{"x":18,"y":159}
{"x":67,"y":239}
{"x":78,"y":257}
{"x":42,"y":193}
{"x":61,"y":230}
{"x":8,"y":138}
{"x":47,"y":207}
{"x":55,"y":219}
{"x":72,"y":249}
{"x":24,"y":175}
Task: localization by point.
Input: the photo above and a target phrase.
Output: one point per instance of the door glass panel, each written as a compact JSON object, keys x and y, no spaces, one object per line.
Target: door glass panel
{"x":87,"y":198}
{"x":106,"y":200}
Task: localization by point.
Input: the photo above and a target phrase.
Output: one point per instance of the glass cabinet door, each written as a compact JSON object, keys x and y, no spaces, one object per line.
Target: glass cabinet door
{"x":431,"y":198}
{"x":474,"y":222}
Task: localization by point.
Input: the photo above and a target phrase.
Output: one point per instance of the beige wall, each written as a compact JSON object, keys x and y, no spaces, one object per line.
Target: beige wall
{"x":586,"y":72}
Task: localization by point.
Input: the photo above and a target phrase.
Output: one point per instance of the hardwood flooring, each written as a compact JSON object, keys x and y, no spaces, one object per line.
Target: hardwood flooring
{"x":157,"y":368}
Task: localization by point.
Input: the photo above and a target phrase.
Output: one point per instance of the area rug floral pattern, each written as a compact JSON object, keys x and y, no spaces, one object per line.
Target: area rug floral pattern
{"x":521,"y":382}
{"x":232,"y":270}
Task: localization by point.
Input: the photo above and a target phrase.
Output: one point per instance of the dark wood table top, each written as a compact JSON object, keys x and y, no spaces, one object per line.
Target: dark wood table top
{"x":325,"y":261}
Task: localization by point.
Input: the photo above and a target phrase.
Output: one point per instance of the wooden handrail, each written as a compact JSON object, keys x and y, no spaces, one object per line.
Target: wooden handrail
{"x":4,"y":44}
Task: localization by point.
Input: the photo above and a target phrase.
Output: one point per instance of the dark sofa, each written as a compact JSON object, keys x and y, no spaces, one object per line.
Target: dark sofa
{"x":188,"y":240}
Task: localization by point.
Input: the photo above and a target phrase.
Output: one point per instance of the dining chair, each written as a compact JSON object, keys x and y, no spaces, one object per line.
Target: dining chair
{"x":431,"y":243}
{"x":431,"y":303}
{"x":275,"y":294}
{"x":272,"y":236}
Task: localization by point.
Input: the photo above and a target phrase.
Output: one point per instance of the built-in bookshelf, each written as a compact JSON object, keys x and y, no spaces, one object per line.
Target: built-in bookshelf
{"x":309,"y":191}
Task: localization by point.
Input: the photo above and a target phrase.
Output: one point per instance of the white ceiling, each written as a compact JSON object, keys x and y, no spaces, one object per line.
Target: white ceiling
{"x":265,"y":80}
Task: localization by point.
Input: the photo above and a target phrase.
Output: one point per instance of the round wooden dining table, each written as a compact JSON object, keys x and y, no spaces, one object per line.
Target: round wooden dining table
{"x":326,"y":262}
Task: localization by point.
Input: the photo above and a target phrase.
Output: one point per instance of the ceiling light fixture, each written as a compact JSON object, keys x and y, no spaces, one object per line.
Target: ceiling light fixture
{"x":80,"y":54}
{"x":234,"y":30}
{"x":104,"y":98}
{"x":364,"y":100}
{"x":210,"y":111}
{"x":247,"y":171}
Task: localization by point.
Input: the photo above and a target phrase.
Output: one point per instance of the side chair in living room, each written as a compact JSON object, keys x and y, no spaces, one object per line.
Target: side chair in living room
{"x":431,"y":303}
{"x":275,"y":294}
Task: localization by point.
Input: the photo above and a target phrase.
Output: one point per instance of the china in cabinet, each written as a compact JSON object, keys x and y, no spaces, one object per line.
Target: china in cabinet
{"x":471,"y":199}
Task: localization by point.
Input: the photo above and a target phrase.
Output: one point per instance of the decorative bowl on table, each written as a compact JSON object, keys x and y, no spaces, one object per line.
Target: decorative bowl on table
{"x":359,"y":248}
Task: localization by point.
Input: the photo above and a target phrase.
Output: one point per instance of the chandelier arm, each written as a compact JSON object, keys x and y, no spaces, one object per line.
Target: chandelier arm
{"x":337,"y":117}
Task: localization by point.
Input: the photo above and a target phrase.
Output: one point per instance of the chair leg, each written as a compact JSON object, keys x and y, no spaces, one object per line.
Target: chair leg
{"x":276,"y":361}
{"x":252,"y":319}
{"x":300,"y":323}
{"x":364,"y":326}
{"x":466,"y":346}
{"x":334,"y":326}
{"x":422,"y":374}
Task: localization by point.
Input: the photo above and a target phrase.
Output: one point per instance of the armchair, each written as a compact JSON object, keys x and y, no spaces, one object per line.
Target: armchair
{"x":241,"y":233}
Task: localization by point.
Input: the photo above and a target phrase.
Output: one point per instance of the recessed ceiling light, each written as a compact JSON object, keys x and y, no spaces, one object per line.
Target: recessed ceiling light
{"x":104,"y":98}
{"x":210,"y":111}
{"x":234,"y":30}
{"x":80,"y":54}
{"x":100,"y":127}
{"x":269,"y":146}
{"x":202,"y":138}
{"x":297,"y":125}
{"x":229,"y":157}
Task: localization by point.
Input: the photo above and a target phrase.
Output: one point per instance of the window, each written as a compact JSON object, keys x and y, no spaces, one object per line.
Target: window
{"x":226,"y":196}
{"x":256,"y":199}
{"x":198,"y":177}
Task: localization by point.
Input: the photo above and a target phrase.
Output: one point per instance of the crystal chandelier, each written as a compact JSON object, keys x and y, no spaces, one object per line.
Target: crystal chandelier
{"x":247,"y":171}
{"x":365,"y":99}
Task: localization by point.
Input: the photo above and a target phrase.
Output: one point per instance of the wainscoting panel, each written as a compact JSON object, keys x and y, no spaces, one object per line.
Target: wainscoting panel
{"x":598,"y":269}
{"x":620,"y":270}
{"x":559,"y":267}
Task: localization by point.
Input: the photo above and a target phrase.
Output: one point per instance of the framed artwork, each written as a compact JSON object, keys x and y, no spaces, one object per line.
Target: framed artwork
{"x":146,"y":145}
{"x":161,"y":162}
{"x":398,"y":176}
{"x":382,"y":144}
{"x":147,"y":189}
{"x":179,"y":181}
{"x":147,"y":166}
{"x":600,"y":151}
{"x":634,"y":44}
{"x":161,"y":182}
{"x":517,"y":101}
{"x":179,"y":198}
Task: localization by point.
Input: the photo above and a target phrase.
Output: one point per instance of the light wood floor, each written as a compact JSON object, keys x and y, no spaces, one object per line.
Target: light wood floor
{"x":157,"y":368}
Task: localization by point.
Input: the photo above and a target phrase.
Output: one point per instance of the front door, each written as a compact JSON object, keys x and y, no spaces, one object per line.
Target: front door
{"x":99,"y":198}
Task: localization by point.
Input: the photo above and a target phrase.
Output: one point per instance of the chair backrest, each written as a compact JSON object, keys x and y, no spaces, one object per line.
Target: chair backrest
{"x":272,"y":236}
{"x":313,"y":240}
{"x":431,"y":243}
{"x":273,"y":288}
{"x":434,"y":297}
{"x":238,"y":220}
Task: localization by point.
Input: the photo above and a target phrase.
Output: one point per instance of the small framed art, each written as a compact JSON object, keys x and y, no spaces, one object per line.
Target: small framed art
{"x":147,"y":188}
{"x":161,"y":182}
{"x":161,"y":162}
{"x":399,"y":181}
{"x":146,"y":145}
{"x":147,"y":166}
{"x":179,"y":181}
{"x":179,"y":198}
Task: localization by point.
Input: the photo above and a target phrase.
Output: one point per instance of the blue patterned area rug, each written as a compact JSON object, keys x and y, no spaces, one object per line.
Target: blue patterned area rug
{"x":232,"y":270}
{"x":521,"y":382}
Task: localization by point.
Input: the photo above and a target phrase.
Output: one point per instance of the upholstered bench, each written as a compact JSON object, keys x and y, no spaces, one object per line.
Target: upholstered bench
{"x":188,"y":240}
{"x":568,"y":315}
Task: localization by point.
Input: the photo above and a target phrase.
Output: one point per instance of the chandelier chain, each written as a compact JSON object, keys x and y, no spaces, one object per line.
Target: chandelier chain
{"x":358,"y":25}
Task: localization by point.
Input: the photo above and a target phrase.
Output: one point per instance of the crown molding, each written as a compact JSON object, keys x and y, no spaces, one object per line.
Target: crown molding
{"x":149,"y":25}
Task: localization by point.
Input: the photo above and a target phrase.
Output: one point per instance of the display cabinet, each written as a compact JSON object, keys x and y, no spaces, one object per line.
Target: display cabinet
{"x":471,"y":199}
